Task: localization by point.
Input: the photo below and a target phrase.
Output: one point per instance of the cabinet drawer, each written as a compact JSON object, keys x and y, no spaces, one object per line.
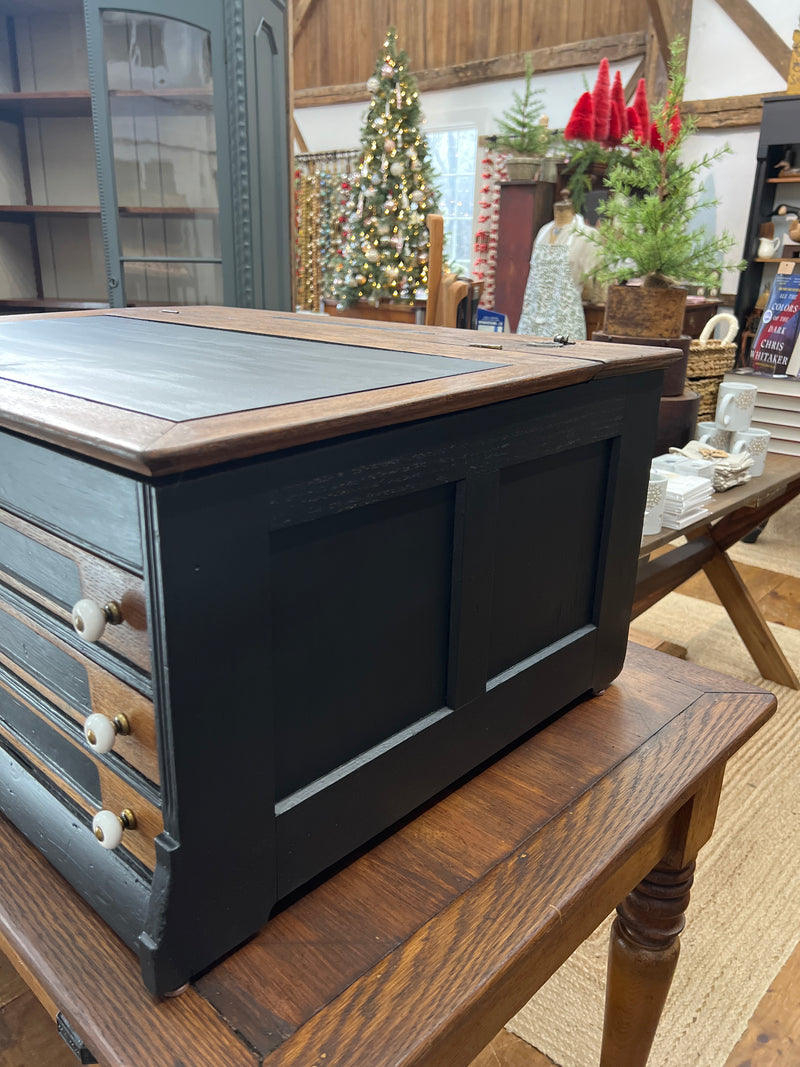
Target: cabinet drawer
{"x":77,"y":686}
{"x":90,"y":505}
{"x":60,"y":759}
{"x":56,"y":574}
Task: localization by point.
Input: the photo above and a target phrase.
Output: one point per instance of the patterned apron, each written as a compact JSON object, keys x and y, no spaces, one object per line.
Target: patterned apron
{"x":552,"y":303}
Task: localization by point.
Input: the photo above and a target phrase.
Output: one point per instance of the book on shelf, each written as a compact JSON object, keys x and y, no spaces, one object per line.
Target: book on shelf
{"x":776,"y":346}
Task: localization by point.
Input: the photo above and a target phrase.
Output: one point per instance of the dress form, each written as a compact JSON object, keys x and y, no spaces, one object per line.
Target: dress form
{"x":562,"y":256}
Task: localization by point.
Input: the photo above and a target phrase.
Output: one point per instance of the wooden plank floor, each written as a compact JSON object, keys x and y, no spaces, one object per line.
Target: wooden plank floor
{"x":28,"y":1036}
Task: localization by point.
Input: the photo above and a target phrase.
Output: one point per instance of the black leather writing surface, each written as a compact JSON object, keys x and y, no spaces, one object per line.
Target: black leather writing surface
{"x":181,"y":372}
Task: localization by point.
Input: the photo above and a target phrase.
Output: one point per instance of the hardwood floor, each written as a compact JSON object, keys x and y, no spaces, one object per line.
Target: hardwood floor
{"x":28,"y":1036}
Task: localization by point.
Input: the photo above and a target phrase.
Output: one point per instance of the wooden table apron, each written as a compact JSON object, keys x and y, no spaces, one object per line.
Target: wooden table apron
{"x":732,"y":514}
{"x":420,"y":949}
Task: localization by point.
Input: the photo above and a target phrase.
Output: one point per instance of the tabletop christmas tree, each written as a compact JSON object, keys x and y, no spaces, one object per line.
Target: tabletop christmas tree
{"x":385,"y":252}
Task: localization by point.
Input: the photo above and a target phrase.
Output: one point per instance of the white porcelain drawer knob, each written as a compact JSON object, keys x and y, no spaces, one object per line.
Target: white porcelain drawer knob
{"x":108,"y":827}
{"x":101,"y":732}
{"x":90,"y":618}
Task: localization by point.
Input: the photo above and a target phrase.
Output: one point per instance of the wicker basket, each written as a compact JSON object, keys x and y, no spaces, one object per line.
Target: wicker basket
{"x":709,"y":360}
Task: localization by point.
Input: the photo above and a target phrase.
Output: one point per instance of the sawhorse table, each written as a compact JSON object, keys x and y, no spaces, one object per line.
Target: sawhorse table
{"x":731,"y":515}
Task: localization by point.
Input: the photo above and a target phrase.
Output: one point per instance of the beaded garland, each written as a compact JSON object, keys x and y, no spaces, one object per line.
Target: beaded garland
{"x":484,"y":262}
{"x":322,"y":188}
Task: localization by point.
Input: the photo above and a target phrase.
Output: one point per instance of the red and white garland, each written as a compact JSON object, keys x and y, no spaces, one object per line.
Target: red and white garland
{"x":484,"y":261}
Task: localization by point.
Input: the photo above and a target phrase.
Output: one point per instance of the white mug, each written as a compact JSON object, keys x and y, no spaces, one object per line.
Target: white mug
{"x":756,"y":442}
{"x":735,"y":404}
{"x":768,"y":246}
{"x":654,"y":506}
{"x":708,"y":433}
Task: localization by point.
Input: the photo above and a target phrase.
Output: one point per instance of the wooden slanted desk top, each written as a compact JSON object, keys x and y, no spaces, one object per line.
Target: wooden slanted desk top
{"x":418,"y":951}
{"x":128,"y":387}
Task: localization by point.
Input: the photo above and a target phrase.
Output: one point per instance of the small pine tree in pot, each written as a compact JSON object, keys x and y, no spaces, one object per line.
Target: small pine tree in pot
{"x":523,"y":131}
{"x":646,"y":227}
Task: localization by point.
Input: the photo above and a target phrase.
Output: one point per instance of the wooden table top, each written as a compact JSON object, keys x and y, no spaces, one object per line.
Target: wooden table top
{"x":420,"y":949}
{"x":780,"y":472}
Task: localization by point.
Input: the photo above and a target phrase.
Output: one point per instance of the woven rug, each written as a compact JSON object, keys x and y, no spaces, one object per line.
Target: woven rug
{"x":743,"y":921}
{"x":778,"y":547}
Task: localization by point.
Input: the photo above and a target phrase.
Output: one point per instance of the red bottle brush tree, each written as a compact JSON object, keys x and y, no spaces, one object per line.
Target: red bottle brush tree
{"x":619,"y":111}
{"x":581,"y":122}
{"x":601,"y":102}
{"x":640,"y":106}
{"x":634,"y":126}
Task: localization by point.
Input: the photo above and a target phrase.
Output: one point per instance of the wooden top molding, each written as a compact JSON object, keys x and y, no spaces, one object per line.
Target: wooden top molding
{"x":43,"y":399}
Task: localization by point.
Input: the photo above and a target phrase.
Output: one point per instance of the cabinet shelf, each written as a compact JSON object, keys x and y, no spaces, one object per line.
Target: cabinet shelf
{"x":50,"y":209}
{"x":198,"y":93}
{"x":205,"y":212}
{"x":72,"y":103}
{"x":47,"y":209}
{"x":77,"y":102}
{"x":38,"y":303}
{"x":784,"y":181}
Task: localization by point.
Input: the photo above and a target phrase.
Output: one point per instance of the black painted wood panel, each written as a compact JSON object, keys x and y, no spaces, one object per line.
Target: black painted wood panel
{"x":62,"y":674}
{"x":546,"y":551}
{"x":43,"y":739}
{"x":114,"y":885}
{"x":360,"y":606}
{"x":73,"y":498}
{"x":39,"y":567}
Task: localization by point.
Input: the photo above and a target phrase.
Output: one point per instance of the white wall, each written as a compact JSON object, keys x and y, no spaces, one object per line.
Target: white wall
{"x":339,"y":126}
{"x":721,"y":62}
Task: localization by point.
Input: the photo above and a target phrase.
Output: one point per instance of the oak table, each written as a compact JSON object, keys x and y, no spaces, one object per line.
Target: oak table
{"x":421,"y":948}
{"x":731,"y":515}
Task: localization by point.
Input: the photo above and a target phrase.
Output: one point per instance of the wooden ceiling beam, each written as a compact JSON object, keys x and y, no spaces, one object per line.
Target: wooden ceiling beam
{"x":661,"y":22}
{"x":300,"y":12}
{"x":726,"y":111}
{"x":655,"y":65}
{"x":758,"y":30}
{"x":633,"y":81}
{"x":560,"y":57}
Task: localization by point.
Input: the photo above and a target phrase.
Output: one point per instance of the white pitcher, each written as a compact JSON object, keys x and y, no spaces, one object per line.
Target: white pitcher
{"x":768,"y":246}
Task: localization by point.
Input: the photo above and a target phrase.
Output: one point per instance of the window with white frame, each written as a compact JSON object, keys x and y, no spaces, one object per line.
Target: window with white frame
{"x":454,"y":156}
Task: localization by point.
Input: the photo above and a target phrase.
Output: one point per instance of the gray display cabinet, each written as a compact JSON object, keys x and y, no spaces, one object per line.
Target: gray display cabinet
{"x":144,"y":154}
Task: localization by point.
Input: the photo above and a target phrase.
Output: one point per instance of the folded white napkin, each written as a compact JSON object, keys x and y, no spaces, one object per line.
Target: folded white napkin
{"x":730,"y":468}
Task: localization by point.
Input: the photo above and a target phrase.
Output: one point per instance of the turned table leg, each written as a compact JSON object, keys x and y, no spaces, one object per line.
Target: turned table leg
{"x":644,"y":944}
{"x":641,"y":961}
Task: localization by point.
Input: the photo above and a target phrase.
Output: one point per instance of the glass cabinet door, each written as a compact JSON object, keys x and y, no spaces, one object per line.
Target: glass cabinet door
{"x":160,"y":124}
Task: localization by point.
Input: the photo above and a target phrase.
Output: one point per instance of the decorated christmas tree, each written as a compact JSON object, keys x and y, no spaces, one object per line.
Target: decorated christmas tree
{"x":385,"y":252}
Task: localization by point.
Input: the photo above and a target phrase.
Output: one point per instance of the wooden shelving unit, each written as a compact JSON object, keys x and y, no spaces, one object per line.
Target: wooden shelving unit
{"x":779,"y":136}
